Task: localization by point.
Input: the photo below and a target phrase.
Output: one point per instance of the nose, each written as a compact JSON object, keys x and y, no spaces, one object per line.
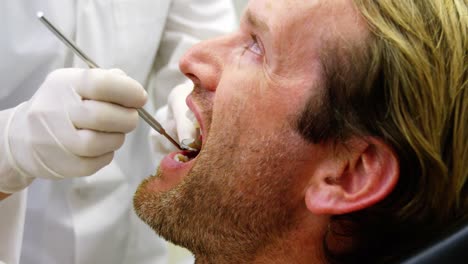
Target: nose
{"x":203,"y":63}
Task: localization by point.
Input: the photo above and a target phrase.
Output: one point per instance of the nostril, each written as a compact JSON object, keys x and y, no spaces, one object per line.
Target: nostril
{"x":193,"y":78}
{"x":202,"y":65}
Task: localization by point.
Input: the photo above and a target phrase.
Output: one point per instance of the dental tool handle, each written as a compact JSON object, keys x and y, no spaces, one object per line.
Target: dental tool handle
{"x":157,"y":126}
{"x":91,"y":64}
{"x":66,"y":41}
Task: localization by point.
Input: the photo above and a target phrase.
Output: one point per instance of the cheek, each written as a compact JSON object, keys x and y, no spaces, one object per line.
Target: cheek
{"x":249,"y":104}
{"x":249,"y":90}
{"x":248,"y":114}
{"x":239,"y":93}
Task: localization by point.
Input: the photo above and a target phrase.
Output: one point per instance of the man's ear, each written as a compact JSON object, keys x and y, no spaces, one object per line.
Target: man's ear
{"x":358,"y":175}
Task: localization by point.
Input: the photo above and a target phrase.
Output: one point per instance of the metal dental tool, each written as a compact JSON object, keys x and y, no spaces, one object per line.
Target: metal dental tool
{"x":91,"y":64}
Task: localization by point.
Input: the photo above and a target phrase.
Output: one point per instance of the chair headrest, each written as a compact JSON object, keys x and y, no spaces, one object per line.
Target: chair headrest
{"x":452,"y":249}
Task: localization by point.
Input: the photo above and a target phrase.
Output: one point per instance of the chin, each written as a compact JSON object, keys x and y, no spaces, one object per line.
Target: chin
{"x":154,"y":193}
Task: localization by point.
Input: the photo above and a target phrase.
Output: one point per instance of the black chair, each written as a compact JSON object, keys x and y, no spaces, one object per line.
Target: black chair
{"x":453,"y":249}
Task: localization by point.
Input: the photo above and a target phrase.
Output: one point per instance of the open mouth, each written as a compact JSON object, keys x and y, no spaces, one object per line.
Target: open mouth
{"x":176,"y":165}
{"x":186,"y":156}
{"x":192,"y":146}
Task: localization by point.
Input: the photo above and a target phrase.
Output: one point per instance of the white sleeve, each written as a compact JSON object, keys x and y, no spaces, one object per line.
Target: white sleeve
{"x":12,"y":213}
{"x":10,"y":180}
{"x":187,"y":23}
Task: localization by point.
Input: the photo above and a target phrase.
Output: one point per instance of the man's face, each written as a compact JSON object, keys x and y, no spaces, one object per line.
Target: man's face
{"x":246,"y":187}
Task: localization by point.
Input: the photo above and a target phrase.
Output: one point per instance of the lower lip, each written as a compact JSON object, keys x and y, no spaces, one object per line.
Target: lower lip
{"x":172,"y":173}
{"x":169,"y":163}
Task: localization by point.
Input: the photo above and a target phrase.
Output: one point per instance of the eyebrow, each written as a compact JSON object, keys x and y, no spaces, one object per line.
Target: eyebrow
{"x":256,"y":22}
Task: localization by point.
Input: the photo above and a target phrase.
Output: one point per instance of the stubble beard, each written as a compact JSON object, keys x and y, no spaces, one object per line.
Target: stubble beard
{"x":239,"y":196}
{"x":232,"y":205}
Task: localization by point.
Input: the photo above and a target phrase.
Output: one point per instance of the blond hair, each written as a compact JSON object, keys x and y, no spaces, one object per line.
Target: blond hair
{"x":424,"y":47}
{"x":416,"y":64}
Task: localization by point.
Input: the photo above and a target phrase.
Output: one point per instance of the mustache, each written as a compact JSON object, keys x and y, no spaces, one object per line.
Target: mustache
{"x":204,"y":101}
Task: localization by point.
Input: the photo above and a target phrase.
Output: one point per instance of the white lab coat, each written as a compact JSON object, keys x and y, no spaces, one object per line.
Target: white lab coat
{"x":91,"y":219}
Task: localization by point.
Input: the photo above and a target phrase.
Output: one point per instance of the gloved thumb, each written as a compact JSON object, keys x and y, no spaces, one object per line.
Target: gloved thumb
{"x":183,"y":117}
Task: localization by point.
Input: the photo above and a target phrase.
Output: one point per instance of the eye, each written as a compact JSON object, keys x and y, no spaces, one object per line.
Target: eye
{"x":254,"y":46}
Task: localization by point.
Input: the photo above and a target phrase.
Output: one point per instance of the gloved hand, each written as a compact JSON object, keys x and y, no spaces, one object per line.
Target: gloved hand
{"x":176,"y":118}
{"x":71,"y":126}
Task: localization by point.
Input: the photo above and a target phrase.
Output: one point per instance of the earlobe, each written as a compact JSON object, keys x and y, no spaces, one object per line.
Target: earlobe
{"x":364,"y":176}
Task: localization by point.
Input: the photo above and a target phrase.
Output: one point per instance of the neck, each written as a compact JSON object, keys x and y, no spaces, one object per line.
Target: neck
{"x":301,"y":245}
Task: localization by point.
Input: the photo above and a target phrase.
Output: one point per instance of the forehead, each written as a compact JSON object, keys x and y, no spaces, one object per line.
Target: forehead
{"x":336,"y":12}
{"x":308,"y":26}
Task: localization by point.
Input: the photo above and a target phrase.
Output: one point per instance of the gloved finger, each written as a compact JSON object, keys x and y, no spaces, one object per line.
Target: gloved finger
{"x":166,"y":119}
{"x":111,"y":86}
{"x":88,"y":166}
{"x":180,"y":93}
{"x":68,"y":164}
{"x":118,"y":72}
{"x":89,"y":143}
{"x":102,"y":116}
{"x":183,"y":117}
{"x":186,"y":125}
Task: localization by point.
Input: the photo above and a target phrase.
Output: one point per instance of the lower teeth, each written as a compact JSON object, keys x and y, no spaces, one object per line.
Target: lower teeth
{"x":181,"y":158}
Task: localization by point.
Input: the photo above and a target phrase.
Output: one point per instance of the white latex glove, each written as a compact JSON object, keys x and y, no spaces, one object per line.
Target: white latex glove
{"x":176,"y":118}
{"x":71,"y":126}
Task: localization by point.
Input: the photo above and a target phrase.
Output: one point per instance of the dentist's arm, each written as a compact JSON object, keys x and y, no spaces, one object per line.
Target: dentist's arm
{"x":71,"y":127}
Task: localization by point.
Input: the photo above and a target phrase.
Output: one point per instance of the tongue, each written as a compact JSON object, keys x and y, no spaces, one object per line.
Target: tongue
{"x":191,"y":154}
